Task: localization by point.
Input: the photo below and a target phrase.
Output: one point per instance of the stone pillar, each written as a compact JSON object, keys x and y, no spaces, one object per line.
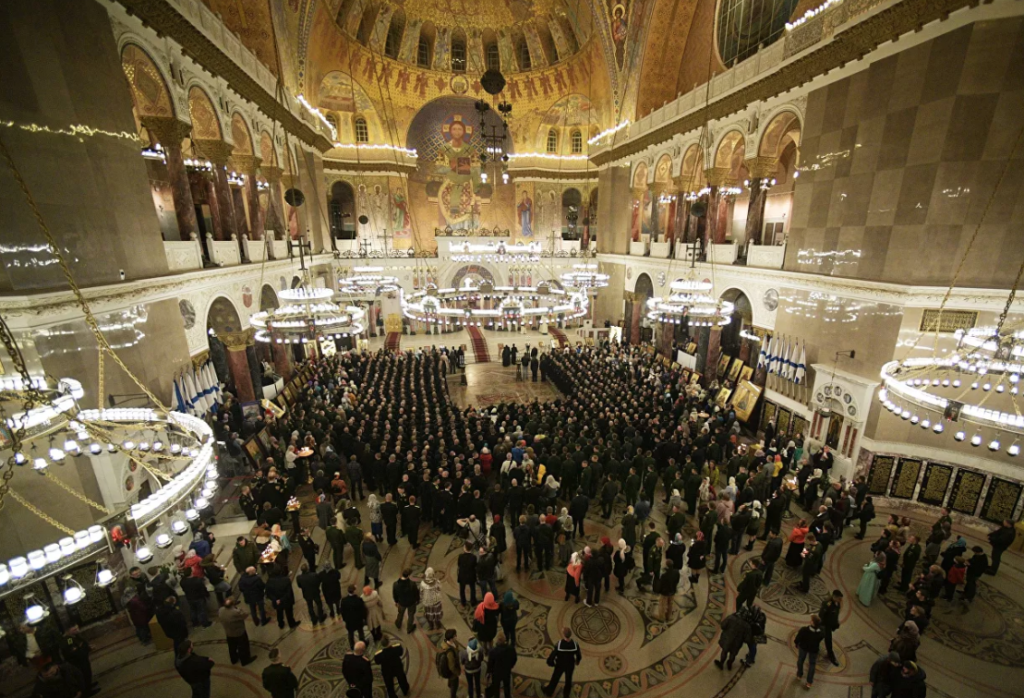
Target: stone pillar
{"x":238,"y":363}
{"x":760,"y":168}
{"x":275,"y":219}
{"x":658,"y":228}
{"x":718,"y":177}
{"x":237,"y":201}
{"x":218,"y":152}
{"x":282,"y":360}
{"x":714,"y":352}
{"x":637,"y":213}
{"x":247,"y":165}
{"x":169,"y":132}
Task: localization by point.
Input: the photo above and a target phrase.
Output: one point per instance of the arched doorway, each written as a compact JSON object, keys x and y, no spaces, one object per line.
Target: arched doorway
{"x":342,"y":209}
{"x":636,"y":329}
{"x":590,"y":220}
{"x":233,"y":364}
{"x":743,"y":316}
{"x":572,"y":201}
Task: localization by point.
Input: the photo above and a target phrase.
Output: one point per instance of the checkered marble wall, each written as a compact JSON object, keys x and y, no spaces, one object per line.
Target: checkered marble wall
{"x":899,"y":162}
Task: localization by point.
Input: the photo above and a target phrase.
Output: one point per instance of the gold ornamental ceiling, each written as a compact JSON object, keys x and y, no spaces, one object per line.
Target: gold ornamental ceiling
{"x":476,"y":14}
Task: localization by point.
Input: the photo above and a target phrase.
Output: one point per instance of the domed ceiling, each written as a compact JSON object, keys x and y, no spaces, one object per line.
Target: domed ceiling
{"x":469,"y":35}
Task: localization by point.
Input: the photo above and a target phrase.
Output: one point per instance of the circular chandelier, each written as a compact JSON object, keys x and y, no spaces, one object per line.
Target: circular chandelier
{"x":691,"y":300}
{"x":585,"y":277}
{"x":510,"y":306}
{"x":51,"y":431}
{"x":368,"y":281}
{"x":310,"y":315}
{"x":500,"y":252}
{"x":974,"y":389}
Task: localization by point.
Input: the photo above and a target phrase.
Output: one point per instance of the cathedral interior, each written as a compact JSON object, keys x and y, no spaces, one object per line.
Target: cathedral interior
{"x":803,"y":212}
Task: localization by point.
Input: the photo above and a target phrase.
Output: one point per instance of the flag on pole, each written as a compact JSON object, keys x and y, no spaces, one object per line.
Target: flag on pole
{"x":204,"y":391}
{"x":791,"y":362}
{"x":778,"y":355}
{"x":762,"y":358}
{"x":179,"y":399}
{"x":191,"y":395}
{"x":770,"y":356}
{"x":801,"y":366}
{"x":211,"y":377}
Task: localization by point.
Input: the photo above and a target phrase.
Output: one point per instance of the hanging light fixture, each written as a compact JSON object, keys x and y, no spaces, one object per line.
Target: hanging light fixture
{"x":73,"y":591}
{"x":368,"y":281}
{"x":35,"y":612}
{"x":310,"y":315}
{"x":690,"y":300}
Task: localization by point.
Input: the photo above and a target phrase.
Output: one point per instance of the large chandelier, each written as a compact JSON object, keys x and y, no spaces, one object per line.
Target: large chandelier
{"x":585,"y":277}
{"x":51,"y":431}
{"x":368,"y":281}
{"x":309,"y":315}
{"x":690,"y":300}
{"x":500,"y":252}
{"x":974,"y":389}
{"x":486,"y":305}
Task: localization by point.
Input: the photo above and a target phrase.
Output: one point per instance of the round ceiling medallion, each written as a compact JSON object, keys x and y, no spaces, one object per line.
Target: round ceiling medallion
{"x":771,"y":299}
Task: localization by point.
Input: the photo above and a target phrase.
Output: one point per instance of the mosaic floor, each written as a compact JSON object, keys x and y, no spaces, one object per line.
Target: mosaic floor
{"x":627,"y":649}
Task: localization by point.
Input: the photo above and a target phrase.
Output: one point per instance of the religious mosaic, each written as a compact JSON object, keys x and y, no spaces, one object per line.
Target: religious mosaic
{"x":905,"y":481}
{"x":878,"y":476}
{"x":966,"y":492}
{"x":1001,"y":500}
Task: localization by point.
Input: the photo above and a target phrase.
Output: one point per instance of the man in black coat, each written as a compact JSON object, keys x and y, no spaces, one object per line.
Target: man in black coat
{"x":357,"y":670}
{"x":467,"y":575}
{"x":746,"y":590}
{"x":867,"y":513}
{"x":407,"y":596}
{"x":829,"y":614}
{"x":523,"y":537}
{"x":278,"y":678}
{"x":195,"y":669}
{"x":578,"y":511}
{"x":389,"y":659}
{"x":389,"y":514}
{"x":500,"y":663}
{"x":1001,"y":539}
{"x":172,"y":621}
{"x":565,"y":657}
{"x":770,"y":555}
{"x":411,"y":522}
{"x":282,"y":598}
{"x":254,"y":591}
{"x":59,"y":681}
{"x":543,"y":541}
{"x":309,"y":582}
{"x":353,"y":612}
{"x":773,"y":514}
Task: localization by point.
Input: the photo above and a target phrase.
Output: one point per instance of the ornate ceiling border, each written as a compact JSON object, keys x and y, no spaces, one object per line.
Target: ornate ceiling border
{"x":163,"y":18}
{"x":382,"y":168}
{"x":845,"y":47}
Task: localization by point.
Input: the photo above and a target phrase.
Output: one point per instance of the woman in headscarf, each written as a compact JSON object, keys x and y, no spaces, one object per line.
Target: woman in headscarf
{"x":675,"y":500}
{"x":509,"y":611}
{"x":550,"y":493}
{"x":430,"y":595}
{"x":697,"y":559}
{"x":869,"y":582}
{"x":623,"y":563}
{"x":676,"y":551}
{"x":794,"y":556}
{"x":704,"y":493}
{"x":471,"y":657}
{"x":191,"y":565}
{"x":951,"y":553}
{"x":731,"y":490}
{"x":565,"y":524}
{"x":573,"y":574}
{"x":374,"y":612}
{"x":485,"y":620}
{"x":376,"y":521}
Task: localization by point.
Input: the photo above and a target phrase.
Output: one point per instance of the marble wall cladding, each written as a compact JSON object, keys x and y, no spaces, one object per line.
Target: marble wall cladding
{"x":613,"y":210}
{"x":829,"y":323}
{"x":61,"y":72}
{"x":609,"y":305}
{"x":149,"y":338}
{"x":900,"y":161}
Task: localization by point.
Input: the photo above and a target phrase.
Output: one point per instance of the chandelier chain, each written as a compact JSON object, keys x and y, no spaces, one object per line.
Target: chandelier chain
{"x":30,"y":400}
{"x":42,"y":515}
{"x":79,"y":496}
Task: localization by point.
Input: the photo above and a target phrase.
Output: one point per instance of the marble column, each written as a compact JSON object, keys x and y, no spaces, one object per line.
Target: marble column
{"x":247,"y":165}
{"x":282,"y":361}
{"x":275,"y":219}
{"x":637,"y":222}
{"x":761,"y":169}
{"x":169,"y":132}
{"x":714,"y":352}
{"x":718,"y":177}
{"x":236,"y":344}
{"x":218,"y":152}
{"x":238,"y":203}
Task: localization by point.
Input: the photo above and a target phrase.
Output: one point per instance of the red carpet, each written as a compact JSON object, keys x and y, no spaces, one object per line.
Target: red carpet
{"x":563,"y":340}
{"x":479,"y":345}
{"x":393,"y":341}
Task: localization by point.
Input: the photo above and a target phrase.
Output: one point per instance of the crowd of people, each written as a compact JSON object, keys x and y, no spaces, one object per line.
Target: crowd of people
{"x":377,"y":437}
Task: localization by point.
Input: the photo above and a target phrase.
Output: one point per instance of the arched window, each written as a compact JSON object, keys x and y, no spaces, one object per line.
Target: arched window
{"x":523,"y":54}
{"x":493,"y":57}
{"x":458,"y":52}
{"x":552,"y":146}
{"x":393,"y":42}
{"x":576,"y":142}
{"x":362,"y":132}
{"x":423,"y":53}
{"x":333,"y":120}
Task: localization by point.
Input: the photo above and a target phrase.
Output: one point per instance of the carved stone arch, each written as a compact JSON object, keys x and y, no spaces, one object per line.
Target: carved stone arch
{"x":222,"y":315}
{"x":148,"y":83}
{"x":785,"y":123}
{"x":241,"y":134}
{"x":663,"y":170}
{"x":268,"y":150}
{"x":206,"y":119}
{"x":640,"y":175}
{"x":691,"y":167}
{"x":268,"y":298}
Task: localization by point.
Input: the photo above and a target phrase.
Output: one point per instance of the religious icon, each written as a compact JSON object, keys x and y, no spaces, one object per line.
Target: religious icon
{"x":734,"y":370}
{"x":457,"y":172}
{"x":620,"y":28}
{"x":745,"y":399}
{"x":745,"y":373}
{"x":525,"y":211}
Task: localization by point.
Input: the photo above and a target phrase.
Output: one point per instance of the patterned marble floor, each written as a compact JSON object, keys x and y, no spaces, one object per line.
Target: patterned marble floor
{"x":627,"y":649}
